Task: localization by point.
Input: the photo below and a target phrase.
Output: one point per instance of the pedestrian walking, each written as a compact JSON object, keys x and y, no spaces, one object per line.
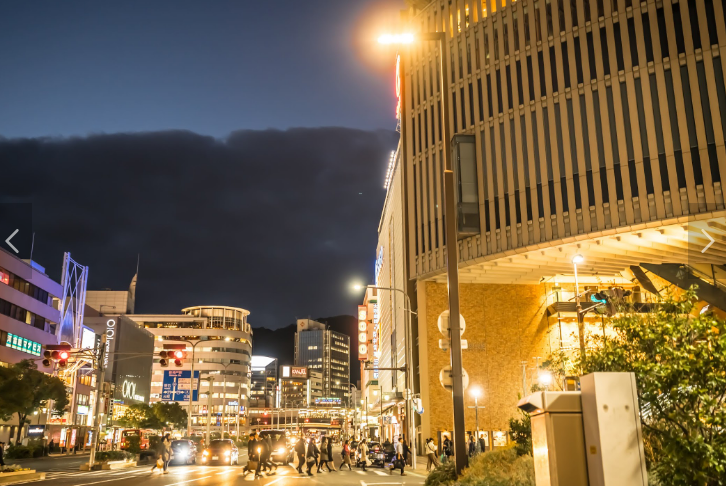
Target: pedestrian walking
{"x":300,"y":451}
{"x":253,"y":456}
{"x":324,"y":458}
{"x":2,"y":453}
{"x":312,"y":456}
{"x":448,"y":450}
{"x":330,"y":455}
{"x":363,"y":451}
{"x":166,"y":452}
{"x":431,"y":454}
{"x":400,"y":459}
{"x":346,"y":455}
{"x":406,"y":452}
{"x":472,"y":446}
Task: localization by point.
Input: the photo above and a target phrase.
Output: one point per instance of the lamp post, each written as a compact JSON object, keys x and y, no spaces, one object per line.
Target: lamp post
{"x":476,"y":393}
{"x":408,"y":377}
{"x":210,"y":379}
{"x":580,"y":321}
{"x":452,"y":247}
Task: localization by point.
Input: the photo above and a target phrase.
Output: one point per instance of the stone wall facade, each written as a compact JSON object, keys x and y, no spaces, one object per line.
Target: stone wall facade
{"x":505,"y":325}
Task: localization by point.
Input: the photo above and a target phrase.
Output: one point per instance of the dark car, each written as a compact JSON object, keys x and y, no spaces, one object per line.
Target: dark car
{"x":221,"y":451}
{"x":281,"y":451}
{"x":183,"y":452}
{"x":381,"y":454}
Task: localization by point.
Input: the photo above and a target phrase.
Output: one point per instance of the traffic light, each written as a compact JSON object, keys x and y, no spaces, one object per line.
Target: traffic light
{"x":172,"y":351}
{"x":59,"y":353}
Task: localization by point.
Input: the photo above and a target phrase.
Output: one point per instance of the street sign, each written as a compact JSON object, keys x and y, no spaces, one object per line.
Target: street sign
{"x":444,"y":326}
{"x":176,"y":384}
{"x":447,"y":381}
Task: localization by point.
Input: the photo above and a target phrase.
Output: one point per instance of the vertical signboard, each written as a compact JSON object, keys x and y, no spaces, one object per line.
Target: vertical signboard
{"x":176,"y":385}
{"x":362,"y":332}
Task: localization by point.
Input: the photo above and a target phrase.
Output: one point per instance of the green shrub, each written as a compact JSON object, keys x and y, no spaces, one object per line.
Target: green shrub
{"x":114,"y":456}
{"x":18,"y":452}
{"x":520,"y":431}
{"x":13,"y":468}
{"x":445,"y":474}
{"x":502,"y":467}
{"x":133,"y":444}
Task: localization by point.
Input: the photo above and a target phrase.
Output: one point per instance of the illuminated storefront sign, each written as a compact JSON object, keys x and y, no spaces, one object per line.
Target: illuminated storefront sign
{"x":88,"y":339}
{"x":128,"y":390}
{"x":36,"y":430}
{"x":295,"y":372}
{"x":376,"y":330}
{"x":82,"y":410}
{"x":21,"y":344}
{"x":327,"y":401}
{"x":110,"y":333}
{"x":362,"y":332}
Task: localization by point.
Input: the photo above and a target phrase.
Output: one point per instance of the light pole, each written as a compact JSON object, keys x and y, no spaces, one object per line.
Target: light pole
{"x":476,"y":393}
{"x":408,"y":377}
{"x":580,"y":321}
{"x":210,"y":379}
{"x":452,"y":247}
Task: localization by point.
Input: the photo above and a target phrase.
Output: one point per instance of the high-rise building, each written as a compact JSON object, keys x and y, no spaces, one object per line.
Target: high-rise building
{"x":219,"y":341}
{"x":585,"y":128}
{"x":327,"y":351}
{"x":263,"y":382}
{"x":28,"y":318}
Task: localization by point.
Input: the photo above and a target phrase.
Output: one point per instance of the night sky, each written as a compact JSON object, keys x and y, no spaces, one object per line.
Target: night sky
{"x":239,"y":147}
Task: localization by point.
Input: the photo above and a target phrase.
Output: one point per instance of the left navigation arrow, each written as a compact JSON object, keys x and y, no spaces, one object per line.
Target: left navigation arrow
{"x":7,"y":240}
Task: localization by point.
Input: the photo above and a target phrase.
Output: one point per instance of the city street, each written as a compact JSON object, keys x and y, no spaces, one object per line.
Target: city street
{"x":222,"y":475}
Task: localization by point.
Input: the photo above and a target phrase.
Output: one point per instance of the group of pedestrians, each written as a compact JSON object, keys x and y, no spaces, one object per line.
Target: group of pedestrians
{"x":259,"y":454}
{"x":310,"y":456}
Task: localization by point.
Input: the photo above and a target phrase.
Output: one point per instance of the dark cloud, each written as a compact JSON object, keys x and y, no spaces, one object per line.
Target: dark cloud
{"x":277,"y":222}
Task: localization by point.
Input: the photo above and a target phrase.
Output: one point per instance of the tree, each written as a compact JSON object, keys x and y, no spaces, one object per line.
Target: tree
{"x":140,"y":416}
{"x":156,"y":416}
{"x":679,"y":360}
{"x":24,"y":389}
{"x":170,"y":413}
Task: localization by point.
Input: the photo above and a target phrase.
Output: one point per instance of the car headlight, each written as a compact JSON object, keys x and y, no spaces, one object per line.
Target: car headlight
{"x":181,"y":453}
{"x":227,"y":453}
{"x":206,"y":453}
{"x":282,"y":450}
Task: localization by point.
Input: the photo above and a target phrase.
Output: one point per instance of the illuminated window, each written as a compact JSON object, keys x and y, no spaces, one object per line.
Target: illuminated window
{"x":483,"y":9}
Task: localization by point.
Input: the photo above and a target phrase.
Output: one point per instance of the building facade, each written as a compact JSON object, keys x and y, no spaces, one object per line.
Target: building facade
{"x":586,"y":127}
{"x":263,"y":382}
{"x":28,"y":319}
{"x":222,"y":340}
{"x":327,"y":351}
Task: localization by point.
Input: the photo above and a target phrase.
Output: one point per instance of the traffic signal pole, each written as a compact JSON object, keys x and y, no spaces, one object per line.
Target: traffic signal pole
{"x":99,"y":395}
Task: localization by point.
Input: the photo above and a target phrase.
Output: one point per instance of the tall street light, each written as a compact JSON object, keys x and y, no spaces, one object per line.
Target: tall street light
{"x":580,"y":321}
{"x":476,"y":393}
{"x":408,"y":378}
{"x":452,"y":247}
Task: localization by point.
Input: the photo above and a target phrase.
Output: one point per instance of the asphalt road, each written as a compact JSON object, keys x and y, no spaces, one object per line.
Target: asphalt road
{"x":64,"y":472}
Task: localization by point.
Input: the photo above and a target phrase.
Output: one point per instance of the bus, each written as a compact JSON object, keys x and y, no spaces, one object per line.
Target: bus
{"x":143,"y":434}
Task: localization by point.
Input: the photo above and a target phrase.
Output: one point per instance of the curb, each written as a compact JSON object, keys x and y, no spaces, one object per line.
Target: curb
{"x":20,"y":476}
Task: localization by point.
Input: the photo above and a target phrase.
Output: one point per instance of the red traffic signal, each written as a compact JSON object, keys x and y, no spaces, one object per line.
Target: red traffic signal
{"x":179,"y":355}
{"x":64,"y":355}
{"x":57,"y":352}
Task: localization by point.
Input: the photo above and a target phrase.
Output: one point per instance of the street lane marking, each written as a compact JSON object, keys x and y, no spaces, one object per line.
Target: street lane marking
{"x":187,"y":481}
{"x":380,"y":473}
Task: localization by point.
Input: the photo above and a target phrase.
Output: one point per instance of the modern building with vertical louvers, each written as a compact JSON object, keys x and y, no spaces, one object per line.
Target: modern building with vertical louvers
{"x":580,"y":127}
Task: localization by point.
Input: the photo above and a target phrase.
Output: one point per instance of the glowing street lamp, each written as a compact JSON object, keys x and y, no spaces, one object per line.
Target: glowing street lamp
{"x":396,"y":39}
{"x":476,"y":393}
{"x":545,"y":379}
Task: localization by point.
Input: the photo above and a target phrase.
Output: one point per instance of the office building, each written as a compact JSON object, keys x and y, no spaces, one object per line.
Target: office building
{"x":588,"y":128}
{"x":263,"y":382}
{"x":219,"y":341}
{"x":300,"y":387}
{"x":29,"y":303}
{"x":327,"y":351}
{"x":113,"y":301}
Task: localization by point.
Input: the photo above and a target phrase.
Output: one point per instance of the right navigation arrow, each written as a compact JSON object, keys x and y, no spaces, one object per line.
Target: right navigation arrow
{"x":710,"y":243}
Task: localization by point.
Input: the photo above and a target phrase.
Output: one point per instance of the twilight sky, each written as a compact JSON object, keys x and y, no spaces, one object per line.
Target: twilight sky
{"x":238,"y":146}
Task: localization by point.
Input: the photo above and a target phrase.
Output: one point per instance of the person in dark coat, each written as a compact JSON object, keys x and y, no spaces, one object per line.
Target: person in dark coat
{"x":330,"y":455}
{"x":253,"y":454}
{"x":2,"y":453}
{"x":300,"y":451}
{"x":312,"y":455}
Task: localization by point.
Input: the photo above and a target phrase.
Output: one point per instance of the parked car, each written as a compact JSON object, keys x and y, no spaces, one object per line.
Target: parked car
{"x":221,"y":451}
{"x":183,"y":452}
{"x":281,"y":450}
